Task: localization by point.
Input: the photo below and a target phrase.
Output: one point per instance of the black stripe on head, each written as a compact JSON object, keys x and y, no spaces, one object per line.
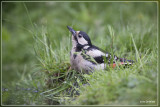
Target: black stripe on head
{"x":92,"y":47}
{"x":86,"y":37}
{"x":79,"y":47}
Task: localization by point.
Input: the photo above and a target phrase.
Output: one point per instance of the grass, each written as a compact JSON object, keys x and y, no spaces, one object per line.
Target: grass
{"x":36,"y":59}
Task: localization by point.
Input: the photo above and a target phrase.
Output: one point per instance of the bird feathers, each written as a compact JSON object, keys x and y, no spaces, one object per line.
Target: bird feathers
{"x":87,"y":57}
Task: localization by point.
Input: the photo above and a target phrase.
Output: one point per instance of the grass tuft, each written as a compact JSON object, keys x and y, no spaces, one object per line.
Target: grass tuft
{"x":36,"y":53}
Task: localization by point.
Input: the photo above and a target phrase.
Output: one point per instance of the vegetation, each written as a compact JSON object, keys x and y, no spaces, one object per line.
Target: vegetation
{"x":36,"y":48}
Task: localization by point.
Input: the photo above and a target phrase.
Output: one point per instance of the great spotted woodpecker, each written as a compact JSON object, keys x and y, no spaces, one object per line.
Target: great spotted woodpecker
{"x":84,"y":56}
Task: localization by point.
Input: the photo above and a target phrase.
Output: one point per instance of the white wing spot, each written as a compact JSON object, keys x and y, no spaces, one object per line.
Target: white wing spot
{"x":86,"y":47}
{"x":95,"y":53}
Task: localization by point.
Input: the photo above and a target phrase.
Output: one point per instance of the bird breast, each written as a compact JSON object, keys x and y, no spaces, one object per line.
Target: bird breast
{"x":78,"y":63}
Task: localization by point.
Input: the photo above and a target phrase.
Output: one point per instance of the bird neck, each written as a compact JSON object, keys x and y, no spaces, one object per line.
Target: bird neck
{"x":79,"y":47}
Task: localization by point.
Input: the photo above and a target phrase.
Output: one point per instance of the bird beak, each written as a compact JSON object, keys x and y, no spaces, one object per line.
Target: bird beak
{"x":72,"y":31}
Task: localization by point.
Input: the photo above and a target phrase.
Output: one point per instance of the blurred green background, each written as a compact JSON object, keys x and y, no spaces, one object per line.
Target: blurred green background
{"x":18,"y":58}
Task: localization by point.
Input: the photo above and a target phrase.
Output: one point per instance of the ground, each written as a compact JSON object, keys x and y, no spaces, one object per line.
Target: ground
{"x":36,"y":45}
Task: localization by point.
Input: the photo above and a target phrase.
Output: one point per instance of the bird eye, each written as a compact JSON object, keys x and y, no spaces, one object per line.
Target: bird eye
{"x":79,"y":36}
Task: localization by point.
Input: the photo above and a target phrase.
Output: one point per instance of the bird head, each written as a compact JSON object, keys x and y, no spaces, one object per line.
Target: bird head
{"x":79,"y":38}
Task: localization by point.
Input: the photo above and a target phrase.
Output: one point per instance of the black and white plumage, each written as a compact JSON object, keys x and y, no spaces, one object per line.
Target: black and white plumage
{"x":86,"y":57}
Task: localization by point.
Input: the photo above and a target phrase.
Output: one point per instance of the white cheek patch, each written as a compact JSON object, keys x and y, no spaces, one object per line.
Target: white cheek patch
{"x":82,"y":41}
{"x":95,"y":53}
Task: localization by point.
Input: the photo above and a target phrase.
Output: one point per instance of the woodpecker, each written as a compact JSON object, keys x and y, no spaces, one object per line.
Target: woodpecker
{"x":84,"y":56}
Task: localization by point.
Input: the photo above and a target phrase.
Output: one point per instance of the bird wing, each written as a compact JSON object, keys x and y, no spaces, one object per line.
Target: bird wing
{"x":96,"y":54}
{"x":99,"y":56}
